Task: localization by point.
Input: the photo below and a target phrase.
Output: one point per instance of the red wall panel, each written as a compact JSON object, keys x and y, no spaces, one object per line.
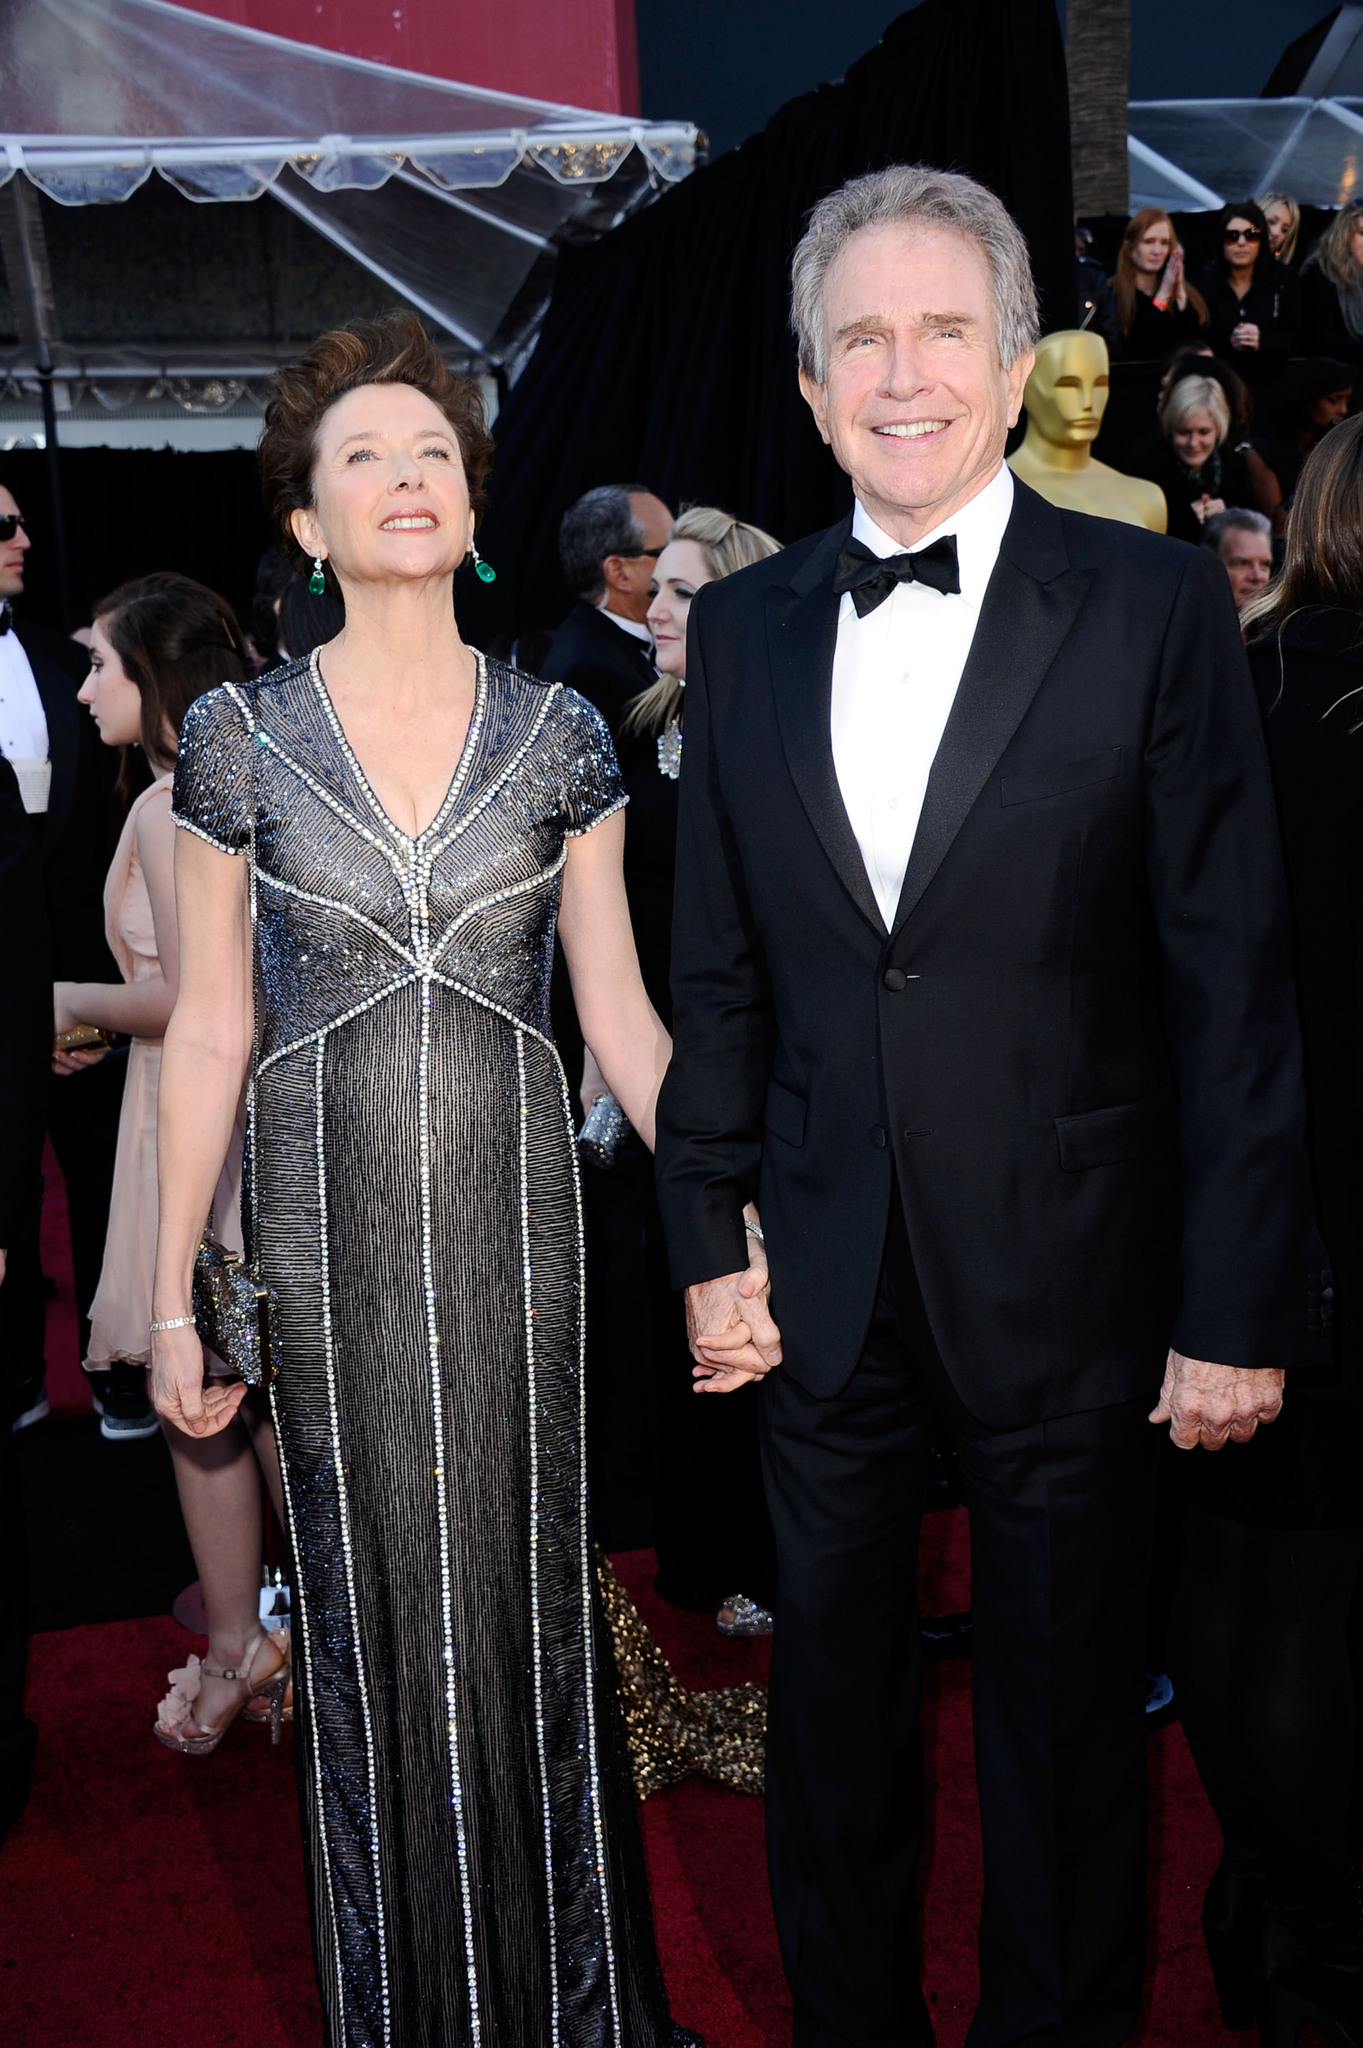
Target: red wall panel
{"x":581,"y":53}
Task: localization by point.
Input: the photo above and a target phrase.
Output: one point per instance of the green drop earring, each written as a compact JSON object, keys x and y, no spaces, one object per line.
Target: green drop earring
{"x":317,"y":582}
{"x":484,"y":571}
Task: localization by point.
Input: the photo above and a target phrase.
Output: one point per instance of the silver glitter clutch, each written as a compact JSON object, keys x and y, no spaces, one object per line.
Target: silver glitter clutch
{"x":606,"y":1124}
{"x":232,"y":1314}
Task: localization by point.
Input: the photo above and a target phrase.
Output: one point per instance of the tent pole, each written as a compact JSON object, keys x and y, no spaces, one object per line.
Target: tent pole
{"x":54,"y":492}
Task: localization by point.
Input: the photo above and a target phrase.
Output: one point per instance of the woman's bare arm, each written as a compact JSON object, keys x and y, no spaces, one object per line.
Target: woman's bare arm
{"x":203,"y":1068}
{"x":141,"y":1008}
{"x":618,"y":1021}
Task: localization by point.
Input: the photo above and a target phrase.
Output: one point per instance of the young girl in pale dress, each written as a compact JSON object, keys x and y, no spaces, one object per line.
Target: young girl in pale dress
{"x":156,"y":645}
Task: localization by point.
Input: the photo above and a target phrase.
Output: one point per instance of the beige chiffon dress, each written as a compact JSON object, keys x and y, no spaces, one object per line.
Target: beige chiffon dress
{"x":120,"y":1314}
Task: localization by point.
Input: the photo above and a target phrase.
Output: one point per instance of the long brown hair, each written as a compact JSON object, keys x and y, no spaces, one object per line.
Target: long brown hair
{"x":1323,"y":561}
{"x":1124,"y":286}
{"x":176,"y":639}
{"x":727,"y":544}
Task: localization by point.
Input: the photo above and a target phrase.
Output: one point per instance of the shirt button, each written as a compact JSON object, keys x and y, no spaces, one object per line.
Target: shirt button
{"x":879,"y":1138}
{"x":895,"y":978}
{"x":892,"y":803}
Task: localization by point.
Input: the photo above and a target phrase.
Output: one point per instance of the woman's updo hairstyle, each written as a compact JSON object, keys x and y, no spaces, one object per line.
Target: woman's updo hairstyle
{"x":394,"y":349}
{"x":176,"y":639}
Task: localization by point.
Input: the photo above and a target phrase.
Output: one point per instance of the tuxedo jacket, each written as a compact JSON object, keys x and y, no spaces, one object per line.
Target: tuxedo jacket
{"x":1077,"y":1050}
{"x":603,"y":664}
{"x":77,"y":836}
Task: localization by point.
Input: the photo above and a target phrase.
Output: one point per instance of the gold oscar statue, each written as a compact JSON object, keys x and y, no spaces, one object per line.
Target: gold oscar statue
{"x":1065,"y":397}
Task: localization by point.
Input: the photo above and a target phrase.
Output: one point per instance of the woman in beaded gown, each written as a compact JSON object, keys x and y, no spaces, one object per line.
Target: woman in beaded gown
{"x":377,"y":842}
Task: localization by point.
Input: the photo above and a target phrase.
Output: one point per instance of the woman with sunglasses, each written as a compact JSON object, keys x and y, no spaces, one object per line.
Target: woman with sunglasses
{"x":1253,"y":300}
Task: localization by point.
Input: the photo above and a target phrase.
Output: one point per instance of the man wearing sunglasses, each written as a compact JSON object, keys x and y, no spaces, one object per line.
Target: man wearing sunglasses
{"x":64,"y":781}
{"x":608,"y":543}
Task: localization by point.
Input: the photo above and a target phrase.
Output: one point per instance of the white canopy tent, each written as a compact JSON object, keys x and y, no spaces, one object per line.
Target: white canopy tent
{"x":453,"y":196}
{"x":1191,"y":156}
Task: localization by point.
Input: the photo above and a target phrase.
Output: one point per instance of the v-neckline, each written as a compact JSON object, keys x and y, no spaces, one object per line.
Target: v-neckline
{"x":367,"y":789}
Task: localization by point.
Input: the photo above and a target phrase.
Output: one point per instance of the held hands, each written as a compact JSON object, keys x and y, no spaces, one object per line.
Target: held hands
{"x":732,"y":1336}
{"x":175,"y":1382}
{"x":1213,"y":1405}
{"x":1246,"y":335}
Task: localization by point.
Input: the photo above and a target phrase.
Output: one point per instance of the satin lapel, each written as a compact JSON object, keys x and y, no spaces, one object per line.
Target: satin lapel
{"x":1027,"y":612}
{"x":802,"y":631}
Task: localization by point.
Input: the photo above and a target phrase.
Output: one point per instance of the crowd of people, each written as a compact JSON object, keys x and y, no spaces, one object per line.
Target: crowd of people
{"x":973,"y":930}
{"x":1225,"y":382}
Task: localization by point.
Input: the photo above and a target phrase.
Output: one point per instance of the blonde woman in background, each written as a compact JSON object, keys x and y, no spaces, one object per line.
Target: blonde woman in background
{"x":711,"y":1531}
{"x":1332,"y":290}
{"x":1283,"y":215}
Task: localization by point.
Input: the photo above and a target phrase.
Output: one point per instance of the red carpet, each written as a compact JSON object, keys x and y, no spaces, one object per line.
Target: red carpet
{"x":148,"y":1899}
{"x":155,"y":1901}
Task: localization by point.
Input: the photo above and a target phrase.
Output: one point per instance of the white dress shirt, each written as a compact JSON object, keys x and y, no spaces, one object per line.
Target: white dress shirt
{"x":23,"y":724}
{"x":895,"y":677}
{"x":633,"y":627}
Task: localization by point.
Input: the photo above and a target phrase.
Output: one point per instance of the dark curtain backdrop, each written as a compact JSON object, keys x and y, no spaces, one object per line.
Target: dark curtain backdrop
{"x":131,"y":510}
{"x":666,"y":357}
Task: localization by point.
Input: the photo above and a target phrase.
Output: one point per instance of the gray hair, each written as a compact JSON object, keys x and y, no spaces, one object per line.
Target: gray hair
{"x":601,"y":523}
{"x":915,"y":193}
{"x":1235,"y":519}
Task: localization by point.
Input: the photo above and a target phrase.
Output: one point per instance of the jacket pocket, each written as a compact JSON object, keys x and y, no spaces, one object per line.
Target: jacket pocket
{"x":785,"y":1113}
{"x":1063,"y":779}
{"x":1103,"y":1137}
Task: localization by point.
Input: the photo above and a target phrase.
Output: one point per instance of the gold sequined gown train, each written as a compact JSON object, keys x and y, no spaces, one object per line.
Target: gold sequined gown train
{"x":472,"y":1845}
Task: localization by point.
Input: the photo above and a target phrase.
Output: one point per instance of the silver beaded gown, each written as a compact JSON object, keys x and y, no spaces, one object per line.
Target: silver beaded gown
{"x":469,"y":1824}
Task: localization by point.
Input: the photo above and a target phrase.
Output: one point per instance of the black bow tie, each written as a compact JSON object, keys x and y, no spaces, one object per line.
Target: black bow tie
{"x":6,"y":619}
{"x":871,"y":578}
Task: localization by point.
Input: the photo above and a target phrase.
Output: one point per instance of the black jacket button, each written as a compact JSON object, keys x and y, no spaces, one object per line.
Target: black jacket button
{"x":878,"y":1137}
{"x":895,"y":978}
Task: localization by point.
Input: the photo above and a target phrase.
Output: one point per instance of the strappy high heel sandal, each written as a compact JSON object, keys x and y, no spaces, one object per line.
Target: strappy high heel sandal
{"x":175,"y":1725}
{"x":259,"y":1709}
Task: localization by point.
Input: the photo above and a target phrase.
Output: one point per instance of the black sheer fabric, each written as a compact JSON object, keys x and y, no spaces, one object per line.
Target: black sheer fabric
{"x":666,"y":355}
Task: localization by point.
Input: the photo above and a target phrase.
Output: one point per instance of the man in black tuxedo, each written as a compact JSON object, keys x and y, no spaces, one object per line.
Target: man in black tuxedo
{"x":66,"y":783}
{"x":608,"y":543}
{"x":982,"y":991}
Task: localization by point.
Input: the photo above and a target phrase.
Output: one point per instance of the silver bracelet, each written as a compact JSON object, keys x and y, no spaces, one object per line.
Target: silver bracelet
{"x":753,"y":1231}
{"x":172,"y":1323}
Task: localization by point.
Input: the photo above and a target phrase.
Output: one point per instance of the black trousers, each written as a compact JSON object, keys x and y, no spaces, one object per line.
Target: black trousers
{"x":1059,"y":1521}
{"x":82,"y":1122}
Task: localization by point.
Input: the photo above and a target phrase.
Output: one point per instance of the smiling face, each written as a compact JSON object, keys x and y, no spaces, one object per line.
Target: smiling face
{"x":1067,"y":391}
{"x":12,"y":551}
{"x":1151,"y":253}
{"x":390,"y":503}
{"x":113,"y":697}
{"x":681,"y":570}
{"x":1249,"y":563}
{"x":915,"y":403}
{"x":1195,"y":439}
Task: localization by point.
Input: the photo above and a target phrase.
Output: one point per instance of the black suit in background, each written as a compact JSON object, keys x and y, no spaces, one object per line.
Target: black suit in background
{"x":1004,"y":1156}
{"x":601,"y":661}
{"x":1274,"y":1542}
{"x":75,"y":840}
{"x":25,"y":1050}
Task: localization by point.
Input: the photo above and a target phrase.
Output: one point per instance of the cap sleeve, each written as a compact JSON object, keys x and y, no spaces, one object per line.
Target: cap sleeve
{"x":213,"y":773}
{"x":592,"y":786}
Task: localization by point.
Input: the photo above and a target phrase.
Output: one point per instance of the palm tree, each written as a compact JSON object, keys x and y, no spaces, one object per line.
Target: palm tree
{"x":1098,"y":57}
